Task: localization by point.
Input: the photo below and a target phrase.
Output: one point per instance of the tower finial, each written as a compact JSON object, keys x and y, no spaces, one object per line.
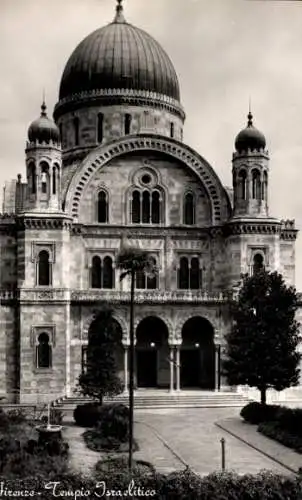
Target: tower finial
{"x":119,"y":16}
{"x":43,"y":106}
{"x":250,"y":116}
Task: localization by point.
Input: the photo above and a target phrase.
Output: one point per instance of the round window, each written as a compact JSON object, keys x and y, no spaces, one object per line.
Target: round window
{"x":146,"y":179}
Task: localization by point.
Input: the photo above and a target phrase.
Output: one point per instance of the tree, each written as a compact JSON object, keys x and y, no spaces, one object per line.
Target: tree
{"x":131,"y":261}
{"x":262,"y":345}
{"x":99,"y":377}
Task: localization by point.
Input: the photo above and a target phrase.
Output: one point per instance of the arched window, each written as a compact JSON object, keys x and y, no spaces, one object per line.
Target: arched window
{"x":54,"y":180}
{"x":43,"y":352}
{"x":140,"y":280}
{"x":183,"y":274}
{"x":76,"y":129}
{"x":43,"y":268}
{"x":102,"y":206}
{"x":127,"y":123}
{"x":194,"y":274}
{"x":146,"y":207}
{"x":155,"y":207}
{"x":258,"y":264}
{"x":32,"y":177}
{"x":44,"y":177}
{"x":108,"y":273}
{"x":152,"y":278}
{"x":136,"y":207}
{"x":96,"y":272}
{"x":242,"y":185}
{"x":256,"y":185}
{"x":264,"y":186}
{"x":145,"y":280}
{"x":172,"y":129}
{"x":189,"y":209}
{"x":100,"y":132}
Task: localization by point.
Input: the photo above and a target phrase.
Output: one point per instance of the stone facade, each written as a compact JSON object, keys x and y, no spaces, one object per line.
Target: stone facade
{"x":85,"y":197}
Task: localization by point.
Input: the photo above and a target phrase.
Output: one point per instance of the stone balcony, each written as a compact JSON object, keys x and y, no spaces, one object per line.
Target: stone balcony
{"x":150,"y":296}
{"x":111,"y":296}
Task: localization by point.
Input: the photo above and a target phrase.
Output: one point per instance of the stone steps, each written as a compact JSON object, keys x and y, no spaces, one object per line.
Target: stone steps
{"x":165,"y":400}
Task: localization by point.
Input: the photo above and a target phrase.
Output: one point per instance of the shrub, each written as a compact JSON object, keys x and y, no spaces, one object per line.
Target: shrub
{"x":290,"y":419}
{"x":120,"y":463}
{"x":114,"y":422}
{"x":87,"y":415}
{"x":255,"y":412}
{"x":95,"y":441}
{"x":16,"y":416}
{"x":24,"y":465}
{"x":283,"y":436}
{"x":3,"y":419}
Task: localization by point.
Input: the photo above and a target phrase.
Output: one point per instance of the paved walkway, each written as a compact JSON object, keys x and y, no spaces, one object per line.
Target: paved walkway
{"x":172,"y":439}
{"x":248,"y":434}
{"x":193,"y":435}
{"x":152,"y":449}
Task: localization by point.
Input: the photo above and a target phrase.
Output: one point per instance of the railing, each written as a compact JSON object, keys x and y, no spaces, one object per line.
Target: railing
{"x":152,"y":296}
{"x":94,"y":295}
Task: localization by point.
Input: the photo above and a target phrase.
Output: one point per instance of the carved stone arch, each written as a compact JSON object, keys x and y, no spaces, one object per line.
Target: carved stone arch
{"x":120,"y":320}
{"x":220,"y":205}
{"x":181,"y":319}
{"x":164,"y":318}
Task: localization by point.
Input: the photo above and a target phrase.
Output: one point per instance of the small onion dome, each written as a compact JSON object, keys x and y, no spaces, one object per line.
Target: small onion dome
{"x":250,"y":138}
{"x":43,"y":129}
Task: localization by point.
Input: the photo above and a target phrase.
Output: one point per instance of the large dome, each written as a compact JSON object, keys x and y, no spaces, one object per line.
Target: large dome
{"x":119,"y":56}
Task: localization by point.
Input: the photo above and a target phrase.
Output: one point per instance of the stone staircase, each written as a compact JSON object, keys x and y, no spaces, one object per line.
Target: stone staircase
{"x":156,"y":399}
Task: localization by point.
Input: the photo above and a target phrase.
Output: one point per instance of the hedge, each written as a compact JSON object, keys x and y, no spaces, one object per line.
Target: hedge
{"x":183,"y":485}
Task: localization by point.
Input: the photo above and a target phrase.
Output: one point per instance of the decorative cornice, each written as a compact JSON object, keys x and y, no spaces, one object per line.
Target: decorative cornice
{"x":43,"y":145}
{"x":136,"y":231}
{"x":48,"y":222}
{"x":143,"y":142}
{"x":252,"y":227}
{"x":113,"y":97}
{"x":251,"y":154}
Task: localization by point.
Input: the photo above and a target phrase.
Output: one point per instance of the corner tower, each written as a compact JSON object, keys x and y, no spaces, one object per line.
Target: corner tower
{"x":250,"y":173}
{"x":43,"y":165}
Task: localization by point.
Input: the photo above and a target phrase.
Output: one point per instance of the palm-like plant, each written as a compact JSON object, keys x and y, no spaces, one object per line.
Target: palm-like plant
{"x":131,"y":261}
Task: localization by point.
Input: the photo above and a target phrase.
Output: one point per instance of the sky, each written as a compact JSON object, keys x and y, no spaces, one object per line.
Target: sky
{"x":224,"y":52}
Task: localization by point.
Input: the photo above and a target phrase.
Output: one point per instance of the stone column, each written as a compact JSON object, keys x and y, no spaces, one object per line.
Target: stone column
{"x":125,"y":369}
{"x":67,"y":350}
{"x":217,"y":367}
{"x":178,"y":368}
{"x":172,"y":362}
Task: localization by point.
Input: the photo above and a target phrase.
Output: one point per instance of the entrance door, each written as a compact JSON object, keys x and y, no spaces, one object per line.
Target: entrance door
{"x":190,"y":368}
{"x":146,"y":368}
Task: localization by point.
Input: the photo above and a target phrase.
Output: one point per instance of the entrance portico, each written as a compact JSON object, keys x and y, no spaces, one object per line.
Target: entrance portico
{"x":152,"y":353}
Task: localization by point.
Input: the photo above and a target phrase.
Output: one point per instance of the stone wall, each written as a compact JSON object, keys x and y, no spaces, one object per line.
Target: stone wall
{"x":143,"y":120}
{"x":43,"y":384}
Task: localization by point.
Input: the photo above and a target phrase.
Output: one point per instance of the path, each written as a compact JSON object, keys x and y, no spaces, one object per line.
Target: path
{"x":171,"y":439}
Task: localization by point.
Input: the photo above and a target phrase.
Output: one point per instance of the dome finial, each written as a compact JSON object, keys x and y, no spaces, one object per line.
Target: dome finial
{"x":43,"y":106}
{"x":250,"y":116}
{"x":119,"y":16}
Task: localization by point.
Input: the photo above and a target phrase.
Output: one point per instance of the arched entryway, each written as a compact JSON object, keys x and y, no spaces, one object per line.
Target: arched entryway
{"x":197,"y":355}
{"x":98,"y":326}
{"x":152,"y":353}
